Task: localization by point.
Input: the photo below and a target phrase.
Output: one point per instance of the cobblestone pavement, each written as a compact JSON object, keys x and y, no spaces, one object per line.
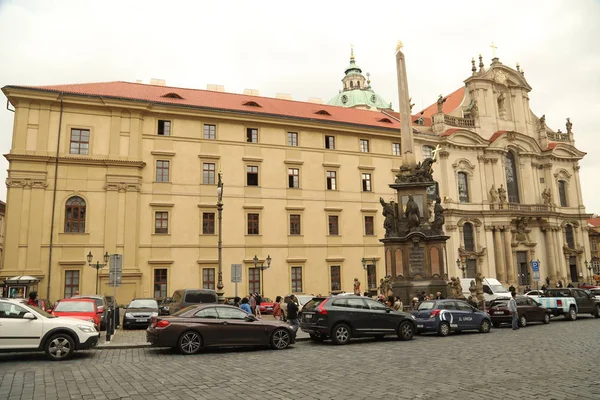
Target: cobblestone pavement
{"x":558,"y":361}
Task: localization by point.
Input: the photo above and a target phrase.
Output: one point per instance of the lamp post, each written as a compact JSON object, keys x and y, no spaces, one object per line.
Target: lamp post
{"x":462,"y":265}
{"x":262,"y":267}
{"x":97,"y":265}
{"x":220,"y":286}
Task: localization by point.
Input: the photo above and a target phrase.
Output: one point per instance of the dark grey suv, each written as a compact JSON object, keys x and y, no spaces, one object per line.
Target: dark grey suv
{"x":341,"y":318}
{"x":187,"y":297}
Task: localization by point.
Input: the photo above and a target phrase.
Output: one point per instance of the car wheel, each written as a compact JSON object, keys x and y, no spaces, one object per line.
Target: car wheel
{"x":316,"y":338}
{"x":546,"y":318}
{"x":280,"y":339}
{"x":341,"y":334}
{"x":444,"y":329}
{"x":485,"y":326}
{"x":597,"y":313}
{"x":406,"y":331}
{"x":60,"y":347}
{"x":572,"y":315}
{"x":496,"y":324}
{"x":522,"y":321}
{"x":190,"y":342}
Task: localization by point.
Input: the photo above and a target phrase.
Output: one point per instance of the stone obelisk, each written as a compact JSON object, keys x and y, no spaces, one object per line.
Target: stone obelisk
{"x":408,"y":154}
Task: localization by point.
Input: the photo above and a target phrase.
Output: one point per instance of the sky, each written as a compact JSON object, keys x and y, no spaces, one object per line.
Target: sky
{"x":302,"y":49}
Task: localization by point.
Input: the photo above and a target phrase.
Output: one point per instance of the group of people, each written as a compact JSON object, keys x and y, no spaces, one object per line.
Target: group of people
{"x":281,"y":311}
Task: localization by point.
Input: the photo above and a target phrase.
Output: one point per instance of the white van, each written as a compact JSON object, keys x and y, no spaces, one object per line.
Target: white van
{"x":492,"y":288}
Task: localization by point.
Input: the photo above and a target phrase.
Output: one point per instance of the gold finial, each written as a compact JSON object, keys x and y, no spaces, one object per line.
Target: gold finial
{"x":399,"y":46}
{"x":351,"y":52}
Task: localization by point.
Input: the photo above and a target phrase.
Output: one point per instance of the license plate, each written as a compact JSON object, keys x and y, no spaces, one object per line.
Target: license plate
{"x":499,"y":312}
{"x":142,"y":320}
{"x":269,"y":308}
{"x":419,"y":326}
{"x":307,"y":316}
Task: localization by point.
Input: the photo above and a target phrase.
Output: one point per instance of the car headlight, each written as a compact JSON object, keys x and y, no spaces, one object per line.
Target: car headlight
{"x":128,"y":315}
{"x":86,"y":328}
{"x":154,"y":314}
{"x":413,"y":317}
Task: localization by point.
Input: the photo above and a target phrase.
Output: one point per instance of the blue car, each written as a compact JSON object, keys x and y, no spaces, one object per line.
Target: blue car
{"x":445,"y":316}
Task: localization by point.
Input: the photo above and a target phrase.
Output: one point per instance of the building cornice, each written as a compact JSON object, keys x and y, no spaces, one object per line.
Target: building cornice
{"x":87,"y":161}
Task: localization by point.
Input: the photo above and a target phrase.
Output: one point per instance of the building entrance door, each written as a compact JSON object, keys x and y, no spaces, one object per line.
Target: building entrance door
{"x":471,"y":270}
{"x":573,"y":269}
{"x":523,"y":269}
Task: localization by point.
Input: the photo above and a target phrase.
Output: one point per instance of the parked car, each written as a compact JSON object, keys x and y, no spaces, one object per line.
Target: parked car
{"x":445,"y":316}
{"x":492,"y":288}
{"x":45,"y":305}
{"x":84,"y":309}
{"x":186,"y":297}
{"x":102,"y":303}
{"x":535,"y":294}
{"x":27,"y":328}
{"x":528,"y":309}
{"x":139,"y":313}
{"x":595,"y":292}
{"x":163,"y":306}
{"x":266,"y":306}
{"x":216,"y":325}
{"x":343,"y":317}
{"x":570,"y":302}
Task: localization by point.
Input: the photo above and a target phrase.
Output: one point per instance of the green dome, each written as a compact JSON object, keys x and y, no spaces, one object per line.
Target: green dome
{"x":352,"y":68}
{"x":360,"y":97}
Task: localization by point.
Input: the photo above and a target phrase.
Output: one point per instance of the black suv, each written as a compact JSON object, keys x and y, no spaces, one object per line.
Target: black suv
{"x":343,"y":317}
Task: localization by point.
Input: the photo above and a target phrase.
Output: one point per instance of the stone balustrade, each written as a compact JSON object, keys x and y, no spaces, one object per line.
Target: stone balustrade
{"x":558,"y":136}
{"x":523,"y":207}
{"x":459,"y":122}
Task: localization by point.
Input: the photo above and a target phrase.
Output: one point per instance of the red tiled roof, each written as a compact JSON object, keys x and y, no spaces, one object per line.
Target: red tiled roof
{"x":450,"y":132}
{"x":223,"y":101}
{"x":594,"y":221}
{"x":551,"y":146}
{"x":452,"y":102}
{"x":496,"y":135}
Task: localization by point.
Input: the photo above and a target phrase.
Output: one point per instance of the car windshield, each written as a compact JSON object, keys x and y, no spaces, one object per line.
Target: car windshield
{"x":42,"y":312}
{"x":312,"y":304}
{"x":302,"y":299}
{"x":498,"y":289}
{"x":426,"y":305}
{"x":99,"y":302}
{"x":143,"y":303}
{"x":266,"y":300}
{"x":75,"y":306}
{"x":200,"y":297}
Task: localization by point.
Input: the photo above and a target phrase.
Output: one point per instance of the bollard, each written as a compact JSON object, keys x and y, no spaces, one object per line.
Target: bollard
{"x":117,"y":317}
{"x":109,"y":325}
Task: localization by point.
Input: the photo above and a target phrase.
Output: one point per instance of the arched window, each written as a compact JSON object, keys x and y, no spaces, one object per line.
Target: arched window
{"x":512,"y":182}
{"x":468,"y":237}
{"x":570,"y":236}
{"x":351,"y":85}
{"x":562,"y":193}
{"x":75,"y":215}
{"x":463,"y":187}
{"x":358,"y":84}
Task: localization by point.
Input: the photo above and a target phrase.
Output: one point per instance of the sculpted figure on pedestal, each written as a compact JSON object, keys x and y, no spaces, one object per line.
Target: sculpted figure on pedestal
{"x":569,"y":125}
{"x":389,"y":212}
{"x":412,"y":213}
{"x":493,"y":194}
{"x":502,"y":194}
{"x":479,"y":285}
{"x":356,"y":287}
{"x":547,"y":196}
{"x":438,"y":219}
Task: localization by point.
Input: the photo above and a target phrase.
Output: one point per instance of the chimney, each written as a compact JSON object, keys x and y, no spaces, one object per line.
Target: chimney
{"x":158,"y":82}
{"x":251,"y":92}
{"x":316,"y":100}
{"x":283,"y":96}
{"x":215,"y":88}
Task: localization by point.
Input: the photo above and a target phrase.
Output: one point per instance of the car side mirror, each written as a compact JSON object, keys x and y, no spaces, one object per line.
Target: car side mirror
{"x":28,"y":315}
{"x":250,"y":318}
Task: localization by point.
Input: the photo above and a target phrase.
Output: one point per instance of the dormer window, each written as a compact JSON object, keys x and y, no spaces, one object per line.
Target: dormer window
{"x":173,"y":95}
{"x":322,"y":112}
{"x":419,"y":121}
{"x":252,"y":104}
{"x":386,"y":120}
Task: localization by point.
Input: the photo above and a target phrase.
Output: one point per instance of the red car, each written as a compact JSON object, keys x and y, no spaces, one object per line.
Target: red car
{"x":84,"y":309}
{"x":266,"y":306}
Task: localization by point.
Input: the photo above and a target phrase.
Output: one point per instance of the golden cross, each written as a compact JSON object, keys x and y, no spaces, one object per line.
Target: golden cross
{"x":435,"y":151}
{"x":494,"y":47}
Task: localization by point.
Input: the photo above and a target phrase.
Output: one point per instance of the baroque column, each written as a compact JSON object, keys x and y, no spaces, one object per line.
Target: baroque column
{"x":499,"y":254}
{"x":510,"y":273}
{"x":549,"y":250}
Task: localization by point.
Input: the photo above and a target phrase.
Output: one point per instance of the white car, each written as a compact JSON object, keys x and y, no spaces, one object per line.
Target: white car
{"x":26,"y":328}
{"x":535,"y":294}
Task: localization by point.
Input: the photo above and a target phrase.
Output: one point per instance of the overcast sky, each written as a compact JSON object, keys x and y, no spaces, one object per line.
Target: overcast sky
{"x":303,"y":49}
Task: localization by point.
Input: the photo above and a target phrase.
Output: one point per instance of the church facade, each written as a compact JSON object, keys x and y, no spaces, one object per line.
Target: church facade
{"x":131,"y":169}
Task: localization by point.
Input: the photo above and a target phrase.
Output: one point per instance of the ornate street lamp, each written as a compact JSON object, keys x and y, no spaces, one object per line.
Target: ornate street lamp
{"x":462,"y":265}
{"x":97,"y":265}
{"x":262,"y":267}
{"x":220,"y":286}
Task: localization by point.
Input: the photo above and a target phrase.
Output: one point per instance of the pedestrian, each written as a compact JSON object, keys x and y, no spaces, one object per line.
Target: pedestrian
{"x":421,"y":297}
{"x":283,"y":308}
{"x":544,"y":287}
{"x":511,"y":289}
{"x":559,"y":284}
{"x":512,"y":307}
{"x":366,"y":294}
{"x":398,"y":303}
{"x":292,"y":313}
{"x":438,"y":296}
{"x":245,"y":306}
{"x":430,"y":297}
{"x":277,"y":308}
{"x":570,"y":285}
{"x":258,"y":301}
{"x":32,"y":301}
{"x":236,"y":301}
{"x":252,"y":303}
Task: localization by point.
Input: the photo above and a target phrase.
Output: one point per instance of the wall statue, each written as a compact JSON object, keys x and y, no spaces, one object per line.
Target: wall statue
{"x":389,"y":212}
{"x":569,"y":125}
{"x":440,"y":103}
{"x":479,"y":285}
{"x":547,"y":196}
{"x":493,"y":194}
{"x":356,"y":287}
{"x":438,"y":219}
{"x":502,"y":194}
{"x":501,"y":99}
{"x":412,"y":213}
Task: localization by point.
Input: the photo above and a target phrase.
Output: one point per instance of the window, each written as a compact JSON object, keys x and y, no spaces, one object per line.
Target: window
{"x":371,"y":277}
{"x":463,"y":187}
{"x":71,"y":283}
{"x":427,"y":152}
{"x":570,"y":236}
{"x":468,"y":237}
{"x":251,"y":175}
{"x":162,"y":171}
{"x":208,"y":278}
{"x":333,"y":225}
{"x":366,"y":182}
{"x":293,"y":178}
{"x":336,"y":278}
{"x":210,"y":131}
{"x":80,"y":141}
{"x":231,"y":313}
{"x":562,"y":193}
{"x":432,"y":192}
{"x":207,"y":313}
{"x":251,"y":135}
{"x":593,"y":245}
{"x":292,"y":138}
{"x":75,"y":215}
{"x":295,"y":224}
{"x":297,"y":280}
{"x":8,"y":310}
{"x":254,"y":280}
{"x":208,"y":223}
{"x":164,"y":128}
{"x":160,"y":283}
{"x":330,"y":142}
{"x":357,"y":303}
{"x":208,"y":173}
{"x":396,"y":149}
{"x":462,"y":306}
{"x":253,"y":223}
{"x":375,"y":305}
{"x":331,"y":180}
{"x":369,"y":225}
{"x":512,"y":183}
{"x":364,"y":146}
{"x":161,"y":222}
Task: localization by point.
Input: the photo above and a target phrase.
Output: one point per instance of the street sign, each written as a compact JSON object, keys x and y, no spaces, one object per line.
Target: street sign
{"x":536,"y":275}
{"x":115,"y":273}
{"x":236,"y":273}
{"x":535,"y":266}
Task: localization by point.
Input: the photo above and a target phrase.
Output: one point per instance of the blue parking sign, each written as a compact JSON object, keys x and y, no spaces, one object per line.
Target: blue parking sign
{"x":535,"y":266}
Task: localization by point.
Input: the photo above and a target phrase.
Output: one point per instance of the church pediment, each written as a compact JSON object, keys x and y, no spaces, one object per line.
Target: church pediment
{"x":502,"y":75}
{"x":563,"y":150}
{"x":524,"y":143}
{"x":460,"y":137}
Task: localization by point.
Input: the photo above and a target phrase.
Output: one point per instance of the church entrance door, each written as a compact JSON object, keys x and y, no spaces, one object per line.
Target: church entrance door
{"x":523,"y":269}
{"x":573,"y":269}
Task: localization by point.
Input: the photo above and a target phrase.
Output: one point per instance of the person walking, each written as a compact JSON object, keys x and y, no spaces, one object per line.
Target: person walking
{"x":245,"y":306}
{"x":438,"y":296}
{"x":277,"y":308}
{"x":32,"y":301}
{"x":292,"y":313}
{"x":252,"y":303}
{"x":258,"y":301}
{"x":512,"y":307}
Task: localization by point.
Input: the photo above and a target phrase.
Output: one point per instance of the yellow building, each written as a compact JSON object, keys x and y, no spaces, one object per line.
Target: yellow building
{"x":131,"y":169}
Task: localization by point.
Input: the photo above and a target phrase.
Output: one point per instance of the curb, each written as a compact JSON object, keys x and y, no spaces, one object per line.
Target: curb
{"x":110,"y":346}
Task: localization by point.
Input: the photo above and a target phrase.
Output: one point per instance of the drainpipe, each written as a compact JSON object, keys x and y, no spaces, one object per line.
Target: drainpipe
{"x":54,"y":189}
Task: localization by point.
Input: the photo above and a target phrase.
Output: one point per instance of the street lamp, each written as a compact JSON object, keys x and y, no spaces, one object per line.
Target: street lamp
{"x":262,"y":267}
{"x":220,"y":286}
{"x":462,"y":265}
{"x":97,"y":265}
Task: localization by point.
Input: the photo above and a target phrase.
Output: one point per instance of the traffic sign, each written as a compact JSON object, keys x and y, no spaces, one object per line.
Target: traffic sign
{"x":535,"y":266}
{"x":536,"y":275}
{"x":115,"y":273}
{"x":236,"y":273}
